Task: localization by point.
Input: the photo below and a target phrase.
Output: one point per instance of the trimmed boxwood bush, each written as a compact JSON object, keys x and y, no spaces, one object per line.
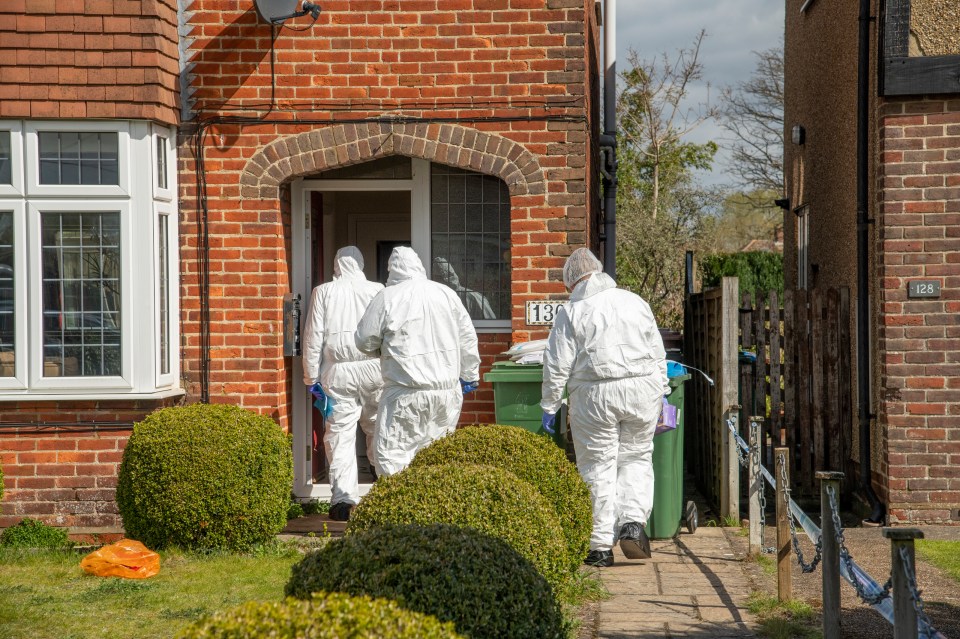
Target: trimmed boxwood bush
{"x":477,"y":582}
{"x":534,"y":459}
{"x":205,"y":476}
{"x":489,"y":499}
{"x":30,"y":533}
{"x":326,"y":616}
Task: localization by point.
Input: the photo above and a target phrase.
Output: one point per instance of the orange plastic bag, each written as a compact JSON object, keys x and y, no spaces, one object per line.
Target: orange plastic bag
{"x":127,"y":558}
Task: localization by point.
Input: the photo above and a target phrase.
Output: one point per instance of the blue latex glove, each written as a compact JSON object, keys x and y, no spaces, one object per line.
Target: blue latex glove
{"x":547,"y":422}
{"x":324,"y":402}
{"x":468,"y":387}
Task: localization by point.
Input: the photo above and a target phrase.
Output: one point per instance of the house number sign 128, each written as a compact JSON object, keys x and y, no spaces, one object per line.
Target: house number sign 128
{"x":542,"y":312}
{"x":923,"y":289}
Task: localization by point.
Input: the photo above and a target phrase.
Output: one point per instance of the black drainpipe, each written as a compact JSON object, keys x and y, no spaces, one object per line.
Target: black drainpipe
{"x":878,"y":510}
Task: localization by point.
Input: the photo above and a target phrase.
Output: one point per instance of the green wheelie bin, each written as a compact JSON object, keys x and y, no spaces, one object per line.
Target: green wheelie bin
{"x":516,"y":398}
{"x":668,"y":510}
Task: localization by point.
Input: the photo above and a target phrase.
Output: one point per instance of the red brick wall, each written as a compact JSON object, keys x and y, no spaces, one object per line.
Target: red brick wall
{"x":919,"y":175}
{"x":89,"y":59}
{"x":497,"y":86}
{"x":65,"y":474}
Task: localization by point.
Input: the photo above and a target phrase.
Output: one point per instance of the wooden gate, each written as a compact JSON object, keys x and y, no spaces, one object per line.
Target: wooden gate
{"x":795,"y":373}
{"x":710,"y":344}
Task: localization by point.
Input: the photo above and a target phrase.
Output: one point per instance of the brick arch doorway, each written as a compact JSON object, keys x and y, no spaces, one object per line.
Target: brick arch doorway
{"x":333,"y":208}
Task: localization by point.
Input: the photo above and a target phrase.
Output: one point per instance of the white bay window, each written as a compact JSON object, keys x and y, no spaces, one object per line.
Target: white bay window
{"x":88,"y":276}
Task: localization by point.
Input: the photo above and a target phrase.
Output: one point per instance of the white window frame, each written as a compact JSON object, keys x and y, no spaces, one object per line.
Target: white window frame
{"x":167,"y":212}
{"x":35,"y":210}
{"x":15,"y":188}
{"x":21,"y":338}
{"x":32,"y":129}
{"x":169,"y":137}
{"x":140,"y":205}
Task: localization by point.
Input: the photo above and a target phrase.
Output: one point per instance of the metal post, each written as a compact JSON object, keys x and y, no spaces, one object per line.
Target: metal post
{"x":904,"y":613}
{"x":756,"y":485}
{"x":830,"y":561}
{"x":784,"y":566}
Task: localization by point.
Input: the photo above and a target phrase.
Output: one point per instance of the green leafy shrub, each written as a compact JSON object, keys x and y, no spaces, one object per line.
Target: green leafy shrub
{"x":30,"y":533}
{"x":294,"y":510}
{"x":532,"y":458}
{"x":205,"y":476}
{"x":477,"y":582}
{"x":314,"y":507}
{"x":326,"y":616}
{"x":758,"y":271}
{"x":488,"y":499}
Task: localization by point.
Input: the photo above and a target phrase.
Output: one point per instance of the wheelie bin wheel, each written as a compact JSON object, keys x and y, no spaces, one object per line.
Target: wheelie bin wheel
{"x":690,"y":517}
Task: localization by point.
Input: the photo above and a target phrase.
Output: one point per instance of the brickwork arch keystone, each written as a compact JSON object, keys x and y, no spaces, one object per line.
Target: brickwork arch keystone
{"x":331,"y":147}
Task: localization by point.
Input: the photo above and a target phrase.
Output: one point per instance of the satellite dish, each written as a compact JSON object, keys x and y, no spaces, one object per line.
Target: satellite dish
{"x":276,"y":10}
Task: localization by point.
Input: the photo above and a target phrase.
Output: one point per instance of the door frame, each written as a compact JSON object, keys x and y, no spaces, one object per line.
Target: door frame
{"x":302,"y":284}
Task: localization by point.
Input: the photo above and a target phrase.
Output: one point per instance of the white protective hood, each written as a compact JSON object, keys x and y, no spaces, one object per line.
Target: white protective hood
{"x":335,"y":309}
{"x":420,"y":329}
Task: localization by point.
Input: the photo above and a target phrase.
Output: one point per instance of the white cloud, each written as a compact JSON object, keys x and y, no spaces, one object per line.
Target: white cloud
{"x":735,"y":29}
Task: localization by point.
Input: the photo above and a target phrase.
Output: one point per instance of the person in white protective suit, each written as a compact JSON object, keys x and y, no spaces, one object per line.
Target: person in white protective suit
{"x":350,"y":379}
{"x":605,"y":348}
{"x":476,"y":303}
{"x":427,"y":343}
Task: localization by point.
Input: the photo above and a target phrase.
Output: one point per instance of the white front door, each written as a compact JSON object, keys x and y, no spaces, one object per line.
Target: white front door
{"x":374,"y":215}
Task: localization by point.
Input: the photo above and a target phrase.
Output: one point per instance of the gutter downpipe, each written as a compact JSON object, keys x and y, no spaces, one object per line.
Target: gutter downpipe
{"x":608,"y":141}
{"x":878,"y":510}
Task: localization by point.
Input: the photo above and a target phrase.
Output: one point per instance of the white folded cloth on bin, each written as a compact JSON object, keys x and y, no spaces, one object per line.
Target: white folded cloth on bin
{"x":527,"y":352}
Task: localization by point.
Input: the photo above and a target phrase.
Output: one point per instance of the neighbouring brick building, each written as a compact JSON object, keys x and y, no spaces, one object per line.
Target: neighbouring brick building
{"x":914,"y":205}
{"x":177,"y":168}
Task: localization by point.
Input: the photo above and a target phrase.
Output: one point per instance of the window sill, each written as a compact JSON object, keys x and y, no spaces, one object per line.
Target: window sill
{"x":62,"y":395}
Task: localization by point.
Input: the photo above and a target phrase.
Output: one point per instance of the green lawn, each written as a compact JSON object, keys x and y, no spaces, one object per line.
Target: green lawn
{"x":47,"y":595}
{"x":945,"y":555}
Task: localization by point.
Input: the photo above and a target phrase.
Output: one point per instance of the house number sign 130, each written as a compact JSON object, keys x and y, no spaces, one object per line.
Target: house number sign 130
{"x":542,"y":312}
{"x":923,"y":289}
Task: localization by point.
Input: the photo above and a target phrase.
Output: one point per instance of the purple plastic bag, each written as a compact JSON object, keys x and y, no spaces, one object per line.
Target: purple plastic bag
{"x":668,"y":418}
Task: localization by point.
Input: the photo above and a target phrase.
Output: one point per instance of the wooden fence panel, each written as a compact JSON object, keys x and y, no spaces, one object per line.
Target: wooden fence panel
{"x":801,"y":379}
{"x":776,"y":371}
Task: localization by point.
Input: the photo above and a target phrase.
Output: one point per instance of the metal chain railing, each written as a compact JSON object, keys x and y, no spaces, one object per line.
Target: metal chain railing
{"x":926,"y":625}
{"x":762,"y":496}
{"x":847,"y":560}
{"x":731,"y":425}
{"x":818,"y":547}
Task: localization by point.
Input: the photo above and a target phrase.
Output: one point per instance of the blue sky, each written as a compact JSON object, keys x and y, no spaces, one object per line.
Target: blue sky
{"x":735,"y":28}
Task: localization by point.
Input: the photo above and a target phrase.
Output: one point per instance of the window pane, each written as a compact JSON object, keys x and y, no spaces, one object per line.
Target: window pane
{"x":81,"y":294}
{"x":161,"y":162}
{"x":470,"y":241}
{"x":162,"y":225}
{"x":7,"y":301}
{"x":394,"y":167}
{"x":89,"y":158}
{"x":6,"y":158}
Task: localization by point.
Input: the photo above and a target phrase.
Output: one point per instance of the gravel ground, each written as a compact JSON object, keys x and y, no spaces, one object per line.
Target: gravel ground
{"x":871,"y":551}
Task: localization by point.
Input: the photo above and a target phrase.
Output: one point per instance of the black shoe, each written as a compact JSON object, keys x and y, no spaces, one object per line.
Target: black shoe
{"x":634,"y":542}
{"x":599,"y":558}
{"x":341,"y":511}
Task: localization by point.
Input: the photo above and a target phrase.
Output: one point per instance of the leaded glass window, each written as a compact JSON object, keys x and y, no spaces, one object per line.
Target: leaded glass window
{"x":6,"y":158}
{"x":77,"y":157}
{"x":470,"y":239}
{"x":81,"y":294}
{"x":8,"y":325}
{"x":164,"y":282}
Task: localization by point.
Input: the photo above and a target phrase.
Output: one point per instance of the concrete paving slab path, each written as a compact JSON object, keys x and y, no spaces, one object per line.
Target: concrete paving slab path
{"x":692,"y":586}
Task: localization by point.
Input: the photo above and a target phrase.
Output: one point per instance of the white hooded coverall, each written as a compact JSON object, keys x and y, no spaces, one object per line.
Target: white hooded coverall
{"x":350,"y":378}
{"x":427,"y":343}
{"x":606,"y":349}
